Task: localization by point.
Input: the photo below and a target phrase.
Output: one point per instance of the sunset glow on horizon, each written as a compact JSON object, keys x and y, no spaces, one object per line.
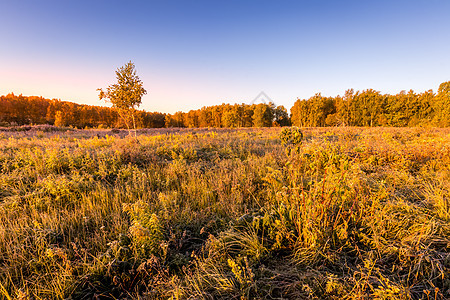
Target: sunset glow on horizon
{"x":191,"y":54}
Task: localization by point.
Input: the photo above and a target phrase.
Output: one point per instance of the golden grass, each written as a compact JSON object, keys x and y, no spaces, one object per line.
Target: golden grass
{"x":348,"y":213}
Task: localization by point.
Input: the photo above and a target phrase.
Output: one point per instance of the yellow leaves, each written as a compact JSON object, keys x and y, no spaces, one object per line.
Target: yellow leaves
{"x":342,"y":231}
{"x":388,"y":290}
{"x":37,"y":224}
{"x":56,"y":253}
{"x":146,"y":229}
{"x":243,"y":274}
{"x":333,"y":286}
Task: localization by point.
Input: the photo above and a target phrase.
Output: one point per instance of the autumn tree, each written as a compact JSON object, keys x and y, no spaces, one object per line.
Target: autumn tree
{"x":262,"y":115}
{"x":312,"y":112}
{"x":175,"y":120}
{"x":230,"y":118}
{"x":281,"y":116}
{"x":426,"y":110}
{"x":205,"y":117}
{"x":442,"y":103}
{"x":126,"y":94}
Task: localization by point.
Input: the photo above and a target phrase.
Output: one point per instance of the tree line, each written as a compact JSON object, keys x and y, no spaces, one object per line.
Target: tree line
{"x":23,"y":110}
{"x":360,"y":108}
{"x":371,"y":108}
{"x":231,"y":116}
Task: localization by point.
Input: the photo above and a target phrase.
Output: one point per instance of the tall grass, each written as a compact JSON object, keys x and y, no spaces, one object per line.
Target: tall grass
{"x":348,"y":213}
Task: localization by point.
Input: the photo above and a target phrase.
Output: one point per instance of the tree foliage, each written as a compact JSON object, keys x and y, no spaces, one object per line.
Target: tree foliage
{"x":231,"y":116}
{"x":22,"y":110}
{"x":126,"y":94}
{"x":360,"y":108}
{"x":371,"y":108}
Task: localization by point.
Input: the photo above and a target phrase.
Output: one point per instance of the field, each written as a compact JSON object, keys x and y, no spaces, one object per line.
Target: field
{"x":348,"y":213}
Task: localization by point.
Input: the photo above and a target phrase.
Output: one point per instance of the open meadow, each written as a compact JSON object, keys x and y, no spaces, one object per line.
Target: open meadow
{"x":347,"y":213}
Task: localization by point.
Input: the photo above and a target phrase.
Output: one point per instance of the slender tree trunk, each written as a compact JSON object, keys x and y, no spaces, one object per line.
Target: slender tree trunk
{"x":134,"y":125}
{"x":123,"y":115}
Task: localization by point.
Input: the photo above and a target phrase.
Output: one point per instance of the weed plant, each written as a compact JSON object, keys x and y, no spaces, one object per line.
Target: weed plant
{"x":331,"y":213}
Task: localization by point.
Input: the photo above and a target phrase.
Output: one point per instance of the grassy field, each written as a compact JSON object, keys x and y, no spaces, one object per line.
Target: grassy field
{"x":350,"y":213}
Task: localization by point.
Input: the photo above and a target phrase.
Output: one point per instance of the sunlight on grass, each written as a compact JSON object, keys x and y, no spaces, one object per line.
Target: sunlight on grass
{"x":321,"y":213}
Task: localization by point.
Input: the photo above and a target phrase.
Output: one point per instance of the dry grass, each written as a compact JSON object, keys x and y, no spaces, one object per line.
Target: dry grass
{"x":350,"y":213}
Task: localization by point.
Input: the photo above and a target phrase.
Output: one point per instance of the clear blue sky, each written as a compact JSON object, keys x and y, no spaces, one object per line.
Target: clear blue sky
{"x":193,"y":53}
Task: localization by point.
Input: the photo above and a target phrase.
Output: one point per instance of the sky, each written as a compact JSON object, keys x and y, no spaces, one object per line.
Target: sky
{"x":196,"y":53}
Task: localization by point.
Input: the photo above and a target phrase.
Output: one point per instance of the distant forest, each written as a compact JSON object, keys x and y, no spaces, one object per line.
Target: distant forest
{"x":360,"y":108}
